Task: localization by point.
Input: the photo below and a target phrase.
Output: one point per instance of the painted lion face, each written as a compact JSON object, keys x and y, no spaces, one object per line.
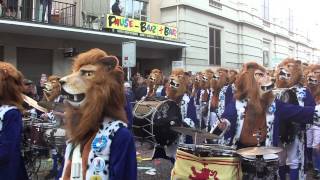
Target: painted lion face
{"x":52,"y":88}
{"x":155,"y":78}
{"x":219,"y":79}
{"x":313,"y":76}
{"x":289,"y":73}
{"x":177,"y":84}
{"x":206,"y":78}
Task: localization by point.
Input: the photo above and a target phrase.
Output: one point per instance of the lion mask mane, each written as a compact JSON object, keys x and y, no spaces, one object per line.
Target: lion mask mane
{"x":11,"y":85}
{"x":98,"y":79}
{"x":289,"y":68}
{"x":247,"y":88}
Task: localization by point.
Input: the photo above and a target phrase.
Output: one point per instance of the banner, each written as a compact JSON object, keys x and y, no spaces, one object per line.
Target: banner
{"x":188,"y":166}
{"x":143,"y":27}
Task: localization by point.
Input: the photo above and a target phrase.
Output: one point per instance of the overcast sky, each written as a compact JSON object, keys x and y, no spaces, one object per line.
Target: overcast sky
{"x":306,"y":15}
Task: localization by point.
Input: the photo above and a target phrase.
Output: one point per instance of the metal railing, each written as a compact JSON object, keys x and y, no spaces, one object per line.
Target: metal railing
{"x":43,"y":11}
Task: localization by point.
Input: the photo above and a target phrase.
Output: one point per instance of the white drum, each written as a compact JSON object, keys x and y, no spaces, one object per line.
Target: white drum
{"x":56,"y":137}
{"x":266,"y":168}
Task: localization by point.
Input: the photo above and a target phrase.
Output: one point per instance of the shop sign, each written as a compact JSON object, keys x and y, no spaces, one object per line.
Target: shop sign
{"x":142,"y":27}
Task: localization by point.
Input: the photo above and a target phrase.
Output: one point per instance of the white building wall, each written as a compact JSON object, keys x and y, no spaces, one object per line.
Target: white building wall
{"x":243,"y":34}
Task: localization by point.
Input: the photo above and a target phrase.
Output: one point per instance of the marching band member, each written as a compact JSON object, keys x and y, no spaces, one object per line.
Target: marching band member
{"x":313,"y":133}
{"x":204,"y":97}
{"x":100,"y":146}
{"x":255,"y":110}
{"x":11,"y":100}
{"x":177,"y":92}
{"x":289,"y":75}
{"x":195,"y":95}
{"x":222,"y":94}
{"x":155,"y":84}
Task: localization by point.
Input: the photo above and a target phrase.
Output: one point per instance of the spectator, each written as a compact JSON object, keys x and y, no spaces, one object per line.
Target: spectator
{"x":141,"y":89}
{"x":129,"y":92}
{"x":41,"y":85}
{"x":116,"y":9}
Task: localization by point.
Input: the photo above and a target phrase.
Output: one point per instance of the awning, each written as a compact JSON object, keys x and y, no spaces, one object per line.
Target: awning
{"x":37,"y":29}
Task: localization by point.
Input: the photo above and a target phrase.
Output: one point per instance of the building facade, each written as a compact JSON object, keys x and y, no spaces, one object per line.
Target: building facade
{"x":41,"y":38}
{"x":230,"y":33}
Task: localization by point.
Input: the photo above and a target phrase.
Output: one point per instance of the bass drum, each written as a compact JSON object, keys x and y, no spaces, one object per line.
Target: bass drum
{"x":153,"y":118}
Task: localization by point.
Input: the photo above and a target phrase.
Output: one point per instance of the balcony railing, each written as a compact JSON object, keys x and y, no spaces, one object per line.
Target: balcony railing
{"x":52,"y":12}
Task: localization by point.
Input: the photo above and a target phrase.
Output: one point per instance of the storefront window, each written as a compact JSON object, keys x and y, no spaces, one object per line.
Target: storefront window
{"x":136,"y":9}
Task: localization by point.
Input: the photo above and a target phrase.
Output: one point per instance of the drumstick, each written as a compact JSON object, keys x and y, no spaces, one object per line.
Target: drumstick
{"x":217,"y":116}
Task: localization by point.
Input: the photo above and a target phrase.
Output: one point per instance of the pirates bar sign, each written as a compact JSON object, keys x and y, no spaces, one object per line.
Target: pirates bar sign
{"x":142,"y":27}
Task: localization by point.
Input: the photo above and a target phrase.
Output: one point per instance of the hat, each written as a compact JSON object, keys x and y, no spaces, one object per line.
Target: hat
{"x":127,"y":85}
{"x":27,"y":82}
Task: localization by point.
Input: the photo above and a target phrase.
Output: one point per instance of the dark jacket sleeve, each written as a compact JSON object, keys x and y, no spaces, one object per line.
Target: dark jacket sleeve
{"x":296,"y":113}
{"x":123,"y":162}
{"x":230,"y":113}
{"x":10,"y":136}
{"x":228,"y":96}
{"x":309,"y":100}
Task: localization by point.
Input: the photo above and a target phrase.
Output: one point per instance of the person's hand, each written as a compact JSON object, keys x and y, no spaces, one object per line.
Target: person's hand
{"x":44,"y":116}
{"x":223,"y":125}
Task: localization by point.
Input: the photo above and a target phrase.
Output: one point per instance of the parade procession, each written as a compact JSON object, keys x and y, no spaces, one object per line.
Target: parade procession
{"x":216,"y":124}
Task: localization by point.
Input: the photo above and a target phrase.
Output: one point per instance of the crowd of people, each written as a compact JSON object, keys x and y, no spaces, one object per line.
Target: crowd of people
{"x":281,"y":106}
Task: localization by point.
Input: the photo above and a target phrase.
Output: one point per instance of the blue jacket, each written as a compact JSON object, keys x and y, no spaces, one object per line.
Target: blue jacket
{"x":283,"y":112}
{"x":11,"y":162}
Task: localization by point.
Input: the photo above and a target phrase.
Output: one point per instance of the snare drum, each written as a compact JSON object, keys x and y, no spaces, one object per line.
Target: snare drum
{"x":268,"y":168}
{"x":56,"y":137}
{"x":37,"y":134}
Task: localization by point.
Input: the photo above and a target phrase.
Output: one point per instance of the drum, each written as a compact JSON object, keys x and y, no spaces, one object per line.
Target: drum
{"x":201,"y":162}
{"x":267,"y":168}
{"x":37,"y":134}
{"x":56,"y":137}
{"x":208,"y":150}
{"x":153,"y":118}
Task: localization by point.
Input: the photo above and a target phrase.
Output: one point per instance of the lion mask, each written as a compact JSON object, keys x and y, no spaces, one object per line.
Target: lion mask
{"x":206,"y":77}
{"x":52,"y":88}
{"x":154,"y":80}
{"x":289,"y":73}
{"x":177,"y":85}
{"x":254,"y":84}
{"x":93,"y":91}
{"x":219,"y":80}
{"x":11,"y":85}
{"x":232,"y":76}
{"x":313,"y":81}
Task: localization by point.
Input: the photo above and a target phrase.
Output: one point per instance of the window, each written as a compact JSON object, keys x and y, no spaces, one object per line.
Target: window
{"x":136,"y":9}
{"x":214,"y":46}
{"x":265,"y":58}
{"x":266,"y":52}
{"x":265,"y":9}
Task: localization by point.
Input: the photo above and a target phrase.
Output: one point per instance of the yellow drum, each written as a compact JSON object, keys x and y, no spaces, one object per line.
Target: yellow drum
{"x":192,"y":166}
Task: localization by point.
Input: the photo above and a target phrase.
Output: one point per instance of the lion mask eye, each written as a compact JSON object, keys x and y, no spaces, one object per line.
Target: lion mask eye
{"x":87,"y":73}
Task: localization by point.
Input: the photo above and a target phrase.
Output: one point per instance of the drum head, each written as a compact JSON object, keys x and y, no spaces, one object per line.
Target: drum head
{"x":266,"y":157}
{"x":156,"y":126}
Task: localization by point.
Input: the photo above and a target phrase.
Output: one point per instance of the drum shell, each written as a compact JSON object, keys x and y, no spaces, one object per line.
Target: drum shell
{"x":37,"y":134}
{"x":156,"y":125}
{"x":249,"y":166}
